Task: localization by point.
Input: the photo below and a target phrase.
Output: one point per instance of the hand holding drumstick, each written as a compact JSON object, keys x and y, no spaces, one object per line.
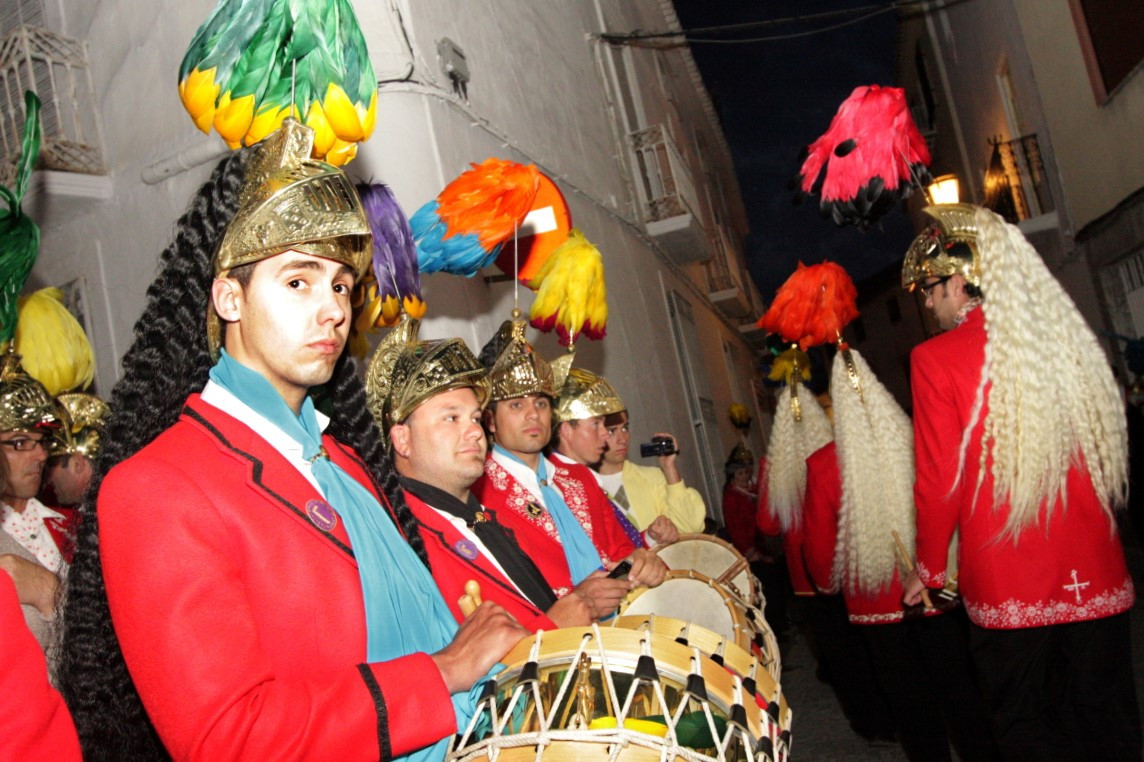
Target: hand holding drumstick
{"x":914,"y":587}
{"x":471,"y":599}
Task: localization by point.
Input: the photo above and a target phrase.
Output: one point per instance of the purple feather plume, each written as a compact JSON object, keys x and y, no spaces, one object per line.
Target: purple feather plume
{"x":394,"y":252}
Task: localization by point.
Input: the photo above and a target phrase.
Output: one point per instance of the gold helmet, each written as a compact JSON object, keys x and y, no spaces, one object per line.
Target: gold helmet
{"x":290,"y":201}
{"x":404,"y":372}
{"x":948,"y":246}
{"x":25,"y":404}
{"x":740,"y":457}
{"x":85,"y":417}
{"x":518,"y":370}
{"x":585,"y":395}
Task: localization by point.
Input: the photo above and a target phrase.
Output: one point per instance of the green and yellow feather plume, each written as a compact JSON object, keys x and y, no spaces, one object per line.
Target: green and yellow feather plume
{"x":255,"y":62}
{"x":19,"y":235}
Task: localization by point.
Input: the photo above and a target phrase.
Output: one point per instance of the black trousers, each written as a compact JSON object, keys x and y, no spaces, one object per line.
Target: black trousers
{"x":1065,"y":691}
{"x":845,"y":664}
{"x":924,"y":670}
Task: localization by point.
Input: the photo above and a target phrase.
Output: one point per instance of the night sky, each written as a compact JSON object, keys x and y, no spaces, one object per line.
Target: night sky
{"x":774,"y":98}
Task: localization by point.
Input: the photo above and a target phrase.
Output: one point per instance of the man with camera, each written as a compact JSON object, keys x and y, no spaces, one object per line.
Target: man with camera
{"x":654,"y":499}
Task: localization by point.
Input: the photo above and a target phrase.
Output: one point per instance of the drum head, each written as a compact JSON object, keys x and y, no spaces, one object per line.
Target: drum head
{"x":692,"y":597}
{"x":712,"y":556}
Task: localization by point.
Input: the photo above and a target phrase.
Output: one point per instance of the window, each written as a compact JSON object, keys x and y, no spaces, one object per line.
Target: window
{"x":1110,"y":39}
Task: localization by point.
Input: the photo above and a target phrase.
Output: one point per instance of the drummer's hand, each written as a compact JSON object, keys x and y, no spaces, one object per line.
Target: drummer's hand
{"x":913,"y":590}
{"x":574,"y":610}
{"x":602,"y":594}
{"x":663,"y":530}
{"x":647,"y":568}
{"x":482,"y":640}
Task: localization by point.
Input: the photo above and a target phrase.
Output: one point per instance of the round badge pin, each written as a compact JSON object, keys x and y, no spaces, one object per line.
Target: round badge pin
{"x":322,"y":515}
{"x":466,"y":548}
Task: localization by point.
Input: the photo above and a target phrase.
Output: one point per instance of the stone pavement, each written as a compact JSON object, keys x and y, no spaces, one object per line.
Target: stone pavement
{"x":820,"y":733}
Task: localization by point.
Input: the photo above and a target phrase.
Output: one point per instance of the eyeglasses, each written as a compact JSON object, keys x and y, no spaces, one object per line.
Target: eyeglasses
{"x":23,"y":444}
{"x":927,"y":289}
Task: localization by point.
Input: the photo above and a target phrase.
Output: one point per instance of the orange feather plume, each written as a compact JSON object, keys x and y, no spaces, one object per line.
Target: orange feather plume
{"x":813,"y":306}
{"x":490,"y":200}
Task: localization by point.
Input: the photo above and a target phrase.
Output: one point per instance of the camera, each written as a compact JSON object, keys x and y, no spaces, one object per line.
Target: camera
{"x":658,"y":446}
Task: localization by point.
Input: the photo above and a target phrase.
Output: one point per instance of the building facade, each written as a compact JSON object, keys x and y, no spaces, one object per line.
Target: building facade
{"x":627,"y":133}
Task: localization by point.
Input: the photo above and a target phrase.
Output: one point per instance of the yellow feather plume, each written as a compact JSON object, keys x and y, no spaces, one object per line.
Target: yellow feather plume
{"x":790,"y":361}
{"x":572,"y":295}
{"x":54,"y":346}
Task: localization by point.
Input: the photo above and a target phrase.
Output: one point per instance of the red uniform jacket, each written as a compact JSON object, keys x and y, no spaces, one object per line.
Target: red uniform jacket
{"x":240,"y":620}
{"x":455,"y":560}
{"x":34,"y":723}
{"x":501,"y":492}
{"x":1069,"y":571}
{"x":768,"y":524}
{"x":823,"y":502}
{"x":739,"y":509}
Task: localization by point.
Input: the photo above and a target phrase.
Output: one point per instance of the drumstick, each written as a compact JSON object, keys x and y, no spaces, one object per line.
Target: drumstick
{"x":909,"y":565}
{"x":471,"y":599}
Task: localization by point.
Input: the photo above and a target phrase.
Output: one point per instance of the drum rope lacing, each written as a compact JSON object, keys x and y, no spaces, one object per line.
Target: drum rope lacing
{"x":620,"y":737}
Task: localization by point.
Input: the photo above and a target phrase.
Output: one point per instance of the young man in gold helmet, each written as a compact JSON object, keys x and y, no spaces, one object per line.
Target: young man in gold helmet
{"x":583,"y":402}
{"x":558,"y":514}
{"x":1021,"y":446}
{"x":262,"y":592}
{"x":35,"y":540}
{"x":428,"y":397}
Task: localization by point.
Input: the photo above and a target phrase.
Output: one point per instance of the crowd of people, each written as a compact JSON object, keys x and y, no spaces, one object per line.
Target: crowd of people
{"x":251,"y":573}
{"x":249,"y":570}
{"x":974,"y":551}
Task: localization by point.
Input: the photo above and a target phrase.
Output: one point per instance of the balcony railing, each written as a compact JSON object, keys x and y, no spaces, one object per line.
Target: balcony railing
{"x":667,"y":184}
{"x":1015,"y":184}
{"x":56,"y":69}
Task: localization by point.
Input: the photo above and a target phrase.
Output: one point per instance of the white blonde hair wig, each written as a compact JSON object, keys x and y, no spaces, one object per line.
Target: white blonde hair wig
{"x":791,"y":443}
{"x":1052,"y":397}
{"x":874,"y":442}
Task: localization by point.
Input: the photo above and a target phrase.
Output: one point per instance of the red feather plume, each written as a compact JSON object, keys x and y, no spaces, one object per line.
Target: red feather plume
{"x":813,"y":306}
{"x":868,"y":159}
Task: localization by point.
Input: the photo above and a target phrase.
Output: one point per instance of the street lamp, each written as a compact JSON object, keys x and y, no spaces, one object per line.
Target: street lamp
{"x":944,"y":190}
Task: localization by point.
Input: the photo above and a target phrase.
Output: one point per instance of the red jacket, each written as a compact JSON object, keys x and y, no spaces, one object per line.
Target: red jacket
{"x":768,"y":524}
{"x":501,"y":492}
{"x":34,"y":723}
{"x":240,"y":620}
{"x":1072,"y":570}
{"x":823,"y":502}
{"x":739,"y":509}
{"x":452,"y":568}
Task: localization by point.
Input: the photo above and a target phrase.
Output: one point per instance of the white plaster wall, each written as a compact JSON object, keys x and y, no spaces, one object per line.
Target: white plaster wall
{"x":1097,"y":147}
{"x":536,"y":95}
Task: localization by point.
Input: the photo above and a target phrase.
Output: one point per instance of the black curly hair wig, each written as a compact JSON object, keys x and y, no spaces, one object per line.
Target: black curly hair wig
{"x":168,"y":361}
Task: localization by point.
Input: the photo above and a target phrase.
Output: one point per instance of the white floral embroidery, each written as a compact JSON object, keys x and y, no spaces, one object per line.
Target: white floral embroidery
{"x":895,"y":616}
{"x":1013,"y":614}
{"x":929,"y":578}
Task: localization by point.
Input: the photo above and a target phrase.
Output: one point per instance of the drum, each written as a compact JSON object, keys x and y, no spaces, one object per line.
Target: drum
{"x":740,"y":661}
{"x":716,"y":558}
{"x":694,"y":597}
{"x":597,"y":693}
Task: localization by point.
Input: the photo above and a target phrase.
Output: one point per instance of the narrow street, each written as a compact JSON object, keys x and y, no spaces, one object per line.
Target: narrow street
{"x":820,"y":732}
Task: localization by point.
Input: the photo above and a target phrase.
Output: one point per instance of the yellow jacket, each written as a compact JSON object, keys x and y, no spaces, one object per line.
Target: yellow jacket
{"x":650,"y":496}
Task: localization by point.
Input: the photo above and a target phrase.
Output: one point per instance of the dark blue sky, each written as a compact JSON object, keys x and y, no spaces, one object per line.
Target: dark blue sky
{"x":774,"y":98}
